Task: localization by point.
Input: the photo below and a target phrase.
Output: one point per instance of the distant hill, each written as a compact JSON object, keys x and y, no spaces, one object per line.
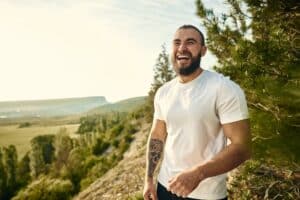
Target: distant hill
{"x":120,"y":106}
{"x":49,"y":108}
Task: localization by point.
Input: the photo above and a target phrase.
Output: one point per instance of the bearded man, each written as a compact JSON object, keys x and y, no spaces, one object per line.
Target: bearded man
{"x":195,"y":115}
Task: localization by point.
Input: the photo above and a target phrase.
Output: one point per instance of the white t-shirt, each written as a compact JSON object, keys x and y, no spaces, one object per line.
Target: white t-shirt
{"x":193,"y":113}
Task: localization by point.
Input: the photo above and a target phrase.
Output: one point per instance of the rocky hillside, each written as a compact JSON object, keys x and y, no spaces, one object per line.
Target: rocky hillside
{"x":126,"y":179}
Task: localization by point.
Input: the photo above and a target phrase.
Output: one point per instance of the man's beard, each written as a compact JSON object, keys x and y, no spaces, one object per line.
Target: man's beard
{"x":185,"y":71}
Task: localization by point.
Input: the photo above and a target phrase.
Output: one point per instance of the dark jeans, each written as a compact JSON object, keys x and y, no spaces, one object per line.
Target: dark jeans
{"x":164,"y":194}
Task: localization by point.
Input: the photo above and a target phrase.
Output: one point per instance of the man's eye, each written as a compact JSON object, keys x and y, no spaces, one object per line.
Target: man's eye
{"x":176,"y":43}
{"x":190,"y":42}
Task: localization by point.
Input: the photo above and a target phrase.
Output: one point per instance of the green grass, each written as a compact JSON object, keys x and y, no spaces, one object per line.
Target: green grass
{"x":20,"y":137}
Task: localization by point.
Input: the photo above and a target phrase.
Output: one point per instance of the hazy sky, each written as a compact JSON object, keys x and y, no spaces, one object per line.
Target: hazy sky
{"x":76,"y":48}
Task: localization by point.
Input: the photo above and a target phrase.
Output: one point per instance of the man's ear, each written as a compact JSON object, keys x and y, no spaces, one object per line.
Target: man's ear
{"x":203,"y":50}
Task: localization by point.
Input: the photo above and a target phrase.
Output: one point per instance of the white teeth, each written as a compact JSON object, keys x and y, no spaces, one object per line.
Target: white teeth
{"x":183,"y":57}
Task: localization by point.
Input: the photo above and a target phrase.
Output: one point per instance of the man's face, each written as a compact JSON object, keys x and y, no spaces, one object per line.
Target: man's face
{"x":186,"y":52}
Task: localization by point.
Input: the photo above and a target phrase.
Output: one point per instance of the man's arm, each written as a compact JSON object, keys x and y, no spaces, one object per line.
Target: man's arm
{"x":238,"y":151}
{"x":229,"y":158}
{"x":155,"y":148}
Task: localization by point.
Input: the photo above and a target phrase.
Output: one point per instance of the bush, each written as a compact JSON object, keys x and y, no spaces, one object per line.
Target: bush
{"x":87,"y":124}
{"x":100,"y":147}
{"x":46,"y":189}
{"x":131,"y":128}
{"x":98,"y":170}
{"x":116,"y":130}
{"x":24,"y":125}
{"x":116,"y":143}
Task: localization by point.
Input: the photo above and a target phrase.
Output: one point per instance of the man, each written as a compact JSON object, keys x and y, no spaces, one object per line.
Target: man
{"x":195,"y":114}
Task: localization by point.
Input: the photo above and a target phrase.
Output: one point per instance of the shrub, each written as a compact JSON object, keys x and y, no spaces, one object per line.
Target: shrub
{"x":100,"y":147}
{"x":24,"y":125}
{"x":116,"y":130}
{"x":46,"y":189}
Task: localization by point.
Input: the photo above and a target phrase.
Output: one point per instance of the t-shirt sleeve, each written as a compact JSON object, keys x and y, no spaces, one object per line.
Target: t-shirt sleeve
{"x":231,"y":103}
{"x":157,"y":106}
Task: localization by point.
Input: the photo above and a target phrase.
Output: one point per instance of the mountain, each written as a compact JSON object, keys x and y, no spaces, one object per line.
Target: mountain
{"x":120,"y":106}
{"x":49,"y":108}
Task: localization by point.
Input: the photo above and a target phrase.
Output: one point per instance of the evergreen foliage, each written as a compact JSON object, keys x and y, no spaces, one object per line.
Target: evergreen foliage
{"x":255,"y":43}
{"x":100,"y":147}
{"x":23,"y":171}
{"x":41,"y":155}
{"x":46,"y":188}
{"x":75,"y":169}
{"x":162,"y":74}
{"x":10,"y":164}
{"x":2,"y":177}
{"x":63,"y":144}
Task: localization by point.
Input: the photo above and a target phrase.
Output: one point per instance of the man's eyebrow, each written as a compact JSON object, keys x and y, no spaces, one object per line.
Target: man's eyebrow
{"x":188,"y":39}
{"x":191,"y":39}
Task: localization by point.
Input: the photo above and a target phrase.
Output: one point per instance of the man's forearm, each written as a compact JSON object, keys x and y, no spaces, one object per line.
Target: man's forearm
{"x":228,"y":159}
{"x":154,"y":152}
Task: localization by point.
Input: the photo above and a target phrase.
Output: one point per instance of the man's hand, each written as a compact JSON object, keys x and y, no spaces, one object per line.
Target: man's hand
{"x":185,"y":182}
{"x":149,"y":191}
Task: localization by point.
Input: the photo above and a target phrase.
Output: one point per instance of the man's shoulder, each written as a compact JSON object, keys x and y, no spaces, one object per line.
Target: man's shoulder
{"x":220,"y":80}
{"x":166,"y":86}
{"x":225,"y":86}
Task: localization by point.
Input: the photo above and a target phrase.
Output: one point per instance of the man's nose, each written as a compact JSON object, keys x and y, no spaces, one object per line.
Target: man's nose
{"x":182,"y":47}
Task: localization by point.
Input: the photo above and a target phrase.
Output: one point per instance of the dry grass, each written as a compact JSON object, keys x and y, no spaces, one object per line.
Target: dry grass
{"x":20,"y":137}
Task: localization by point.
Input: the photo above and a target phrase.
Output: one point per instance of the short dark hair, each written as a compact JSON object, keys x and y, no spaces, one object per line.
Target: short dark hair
{"x":186,"y":26}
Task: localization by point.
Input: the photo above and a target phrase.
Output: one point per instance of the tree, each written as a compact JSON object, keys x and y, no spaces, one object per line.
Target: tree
{"x":10,"y":163}
{"x":162,"y":74}
{"x":41,"y":155}
{"x":255,"y":44}
{"x":63,"y":145}
{"x":46,"y":189}
{"x":23,"y":171}
{"x":2,"y":177}
{"x":75,"y":169}
{"x":87,"y":124}
{"x":100,"y":146}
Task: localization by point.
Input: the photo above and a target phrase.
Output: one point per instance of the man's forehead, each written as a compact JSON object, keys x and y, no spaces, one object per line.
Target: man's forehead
{"x":185,"y":33}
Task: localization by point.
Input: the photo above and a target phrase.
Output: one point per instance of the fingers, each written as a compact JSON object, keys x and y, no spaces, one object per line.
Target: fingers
{"x":178,"y":188}
{"x":171,"y":180}
{"x":150,"y":195}
{"x":153,"y":195}
{"x":173,"y":183}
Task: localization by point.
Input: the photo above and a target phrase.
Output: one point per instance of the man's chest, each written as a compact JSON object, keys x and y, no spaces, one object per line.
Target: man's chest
{"x":189,"y":104}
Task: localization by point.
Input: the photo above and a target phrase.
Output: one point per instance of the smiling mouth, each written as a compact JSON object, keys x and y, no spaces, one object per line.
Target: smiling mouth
{"x":182,"y":58}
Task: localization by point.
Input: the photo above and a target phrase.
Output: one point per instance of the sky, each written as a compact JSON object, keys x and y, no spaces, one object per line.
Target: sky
{"x":77,"y":48}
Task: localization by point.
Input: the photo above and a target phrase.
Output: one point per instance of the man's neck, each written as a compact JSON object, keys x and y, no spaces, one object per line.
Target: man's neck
{"x":186,"y":79}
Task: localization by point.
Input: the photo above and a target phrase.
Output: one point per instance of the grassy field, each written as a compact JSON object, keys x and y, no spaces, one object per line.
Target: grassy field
{"x":20,"y":137}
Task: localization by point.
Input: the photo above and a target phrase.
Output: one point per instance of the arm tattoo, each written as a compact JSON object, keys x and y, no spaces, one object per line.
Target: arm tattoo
{"x":154,"y":154}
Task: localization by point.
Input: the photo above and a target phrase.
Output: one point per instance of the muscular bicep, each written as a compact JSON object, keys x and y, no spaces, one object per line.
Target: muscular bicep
{"x":158,"y":130}
{"x":238,"y":132}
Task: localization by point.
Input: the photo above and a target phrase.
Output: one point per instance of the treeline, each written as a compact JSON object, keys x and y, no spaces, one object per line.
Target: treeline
{"x":58,"y":166}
